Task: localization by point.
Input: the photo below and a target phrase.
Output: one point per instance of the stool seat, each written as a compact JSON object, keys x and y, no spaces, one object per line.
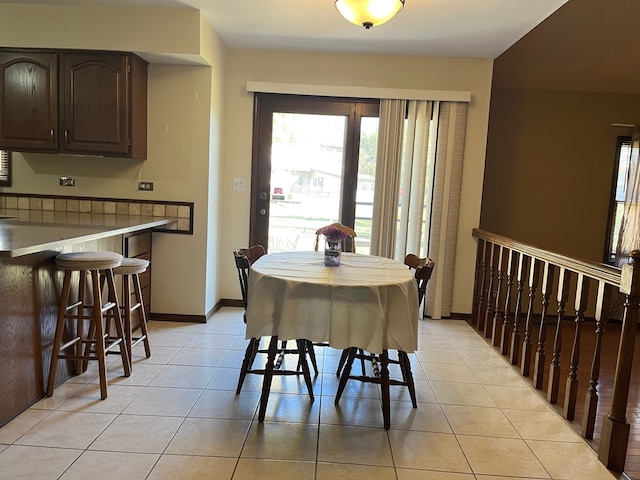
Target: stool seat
{"x":88,"y":260}
{"x":131,"y":266}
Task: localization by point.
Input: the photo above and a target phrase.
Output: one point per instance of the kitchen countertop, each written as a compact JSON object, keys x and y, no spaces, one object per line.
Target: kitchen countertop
{"x":24,"y":233}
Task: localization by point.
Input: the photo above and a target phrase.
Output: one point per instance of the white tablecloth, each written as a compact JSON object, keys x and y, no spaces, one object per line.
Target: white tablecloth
{"x":367,"y":302}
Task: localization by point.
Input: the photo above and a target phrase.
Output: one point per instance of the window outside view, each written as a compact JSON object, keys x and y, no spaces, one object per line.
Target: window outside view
{"x":620,"y":194}
{"x":307,"y":160}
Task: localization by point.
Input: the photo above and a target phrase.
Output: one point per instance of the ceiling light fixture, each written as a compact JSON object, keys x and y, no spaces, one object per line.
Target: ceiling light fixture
{"x":369,"y":13}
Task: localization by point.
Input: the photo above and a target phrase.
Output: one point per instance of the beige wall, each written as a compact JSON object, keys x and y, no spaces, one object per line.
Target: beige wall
{"x":200,"y":132}
{"x":352,"y":70}
{"x":549,"y":167}
{"x":185,"y":132}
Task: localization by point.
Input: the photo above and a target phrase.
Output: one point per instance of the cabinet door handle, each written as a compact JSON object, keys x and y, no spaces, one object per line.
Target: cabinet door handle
{"x":66,"y":136}
{"x":52,"y":133}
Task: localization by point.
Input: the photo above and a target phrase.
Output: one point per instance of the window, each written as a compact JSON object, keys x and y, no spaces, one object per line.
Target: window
{"x":5,"y":168}
{"x":618,"y":192}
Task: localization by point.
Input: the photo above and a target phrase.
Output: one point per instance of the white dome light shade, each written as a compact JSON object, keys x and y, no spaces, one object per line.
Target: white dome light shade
{"x":369,"y":13}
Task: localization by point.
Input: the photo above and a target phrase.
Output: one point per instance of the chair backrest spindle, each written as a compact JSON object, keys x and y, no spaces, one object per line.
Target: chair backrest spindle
{"x":348,"y":243}
{"x":244,"y":258}
{"x":423,"y":268}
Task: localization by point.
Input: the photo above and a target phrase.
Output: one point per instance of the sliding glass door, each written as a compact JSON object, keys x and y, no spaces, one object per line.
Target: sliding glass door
{"x":313,"y":164}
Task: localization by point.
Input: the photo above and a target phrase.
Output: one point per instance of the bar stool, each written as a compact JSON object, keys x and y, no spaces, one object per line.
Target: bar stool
{"x":130,"y":270}
{"x":96,"y":312}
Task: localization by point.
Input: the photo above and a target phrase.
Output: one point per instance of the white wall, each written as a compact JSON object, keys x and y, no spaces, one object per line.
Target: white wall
{"x":352,"y":70}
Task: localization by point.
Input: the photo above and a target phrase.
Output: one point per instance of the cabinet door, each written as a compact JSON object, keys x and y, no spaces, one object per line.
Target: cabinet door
{"x":28,"y":101}
{"x":95,"y":103}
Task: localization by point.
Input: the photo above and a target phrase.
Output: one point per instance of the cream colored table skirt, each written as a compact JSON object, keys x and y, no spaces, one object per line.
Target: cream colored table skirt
{"x":367,"y":302}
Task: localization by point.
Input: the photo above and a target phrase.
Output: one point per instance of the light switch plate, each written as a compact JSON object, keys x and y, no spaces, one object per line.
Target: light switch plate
{"x":238,"y":184}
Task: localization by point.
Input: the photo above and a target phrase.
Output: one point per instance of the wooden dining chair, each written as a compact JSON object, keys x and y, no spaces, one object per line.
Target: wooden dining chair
{"x":348,"y":243}
{"x":244,"y":258}
{"x":422,"y":267}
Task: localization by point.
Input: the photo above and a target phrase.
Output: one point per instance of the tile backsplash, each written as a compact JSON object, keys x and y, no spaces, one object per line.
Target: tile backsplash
{"x":53,"y":207}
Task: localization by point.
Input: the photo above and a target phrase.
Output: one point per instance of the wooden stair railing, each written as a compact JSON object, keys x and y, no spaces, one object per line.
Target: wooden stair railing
{"x":526,"y":332}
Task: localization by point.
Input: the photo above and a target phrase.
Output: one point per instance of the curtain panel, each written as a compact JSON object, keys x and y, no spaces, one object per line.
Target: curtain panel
{"x":417,"y":188}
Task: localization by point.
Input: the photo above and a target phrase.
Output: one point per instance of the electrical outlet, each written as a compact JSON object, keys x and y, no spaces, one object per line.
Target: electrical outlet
{"x":146,"y":186}
{"x":67,"y":181}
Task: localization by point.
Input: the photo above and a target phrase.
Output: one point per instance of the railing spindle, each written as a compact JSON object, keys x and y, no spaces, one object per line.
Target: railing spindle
{"x":484,"y":289}
{"x":548,"y":273}
{"x":554,"y":369}
{"x":491,"y":301}
{"x":496,"y":327}
{"x":603,"y":301}
{"x":477,"y":283}
{"x":506,"y":324}
{"x":527,"y":344}
{"x":571,"y":394}
{"x":523,"y":264}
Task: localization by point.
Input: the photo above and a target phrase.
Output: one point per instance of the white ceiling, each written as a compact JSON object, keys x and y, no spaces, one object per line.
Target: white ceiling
{"x":446,"y":28}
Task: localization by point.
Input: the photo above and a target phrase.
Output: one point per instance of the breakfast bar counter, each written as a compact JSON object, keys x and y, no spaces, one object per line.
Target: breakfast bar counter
{"x":30,"y":285}
{"x":26,"y":232}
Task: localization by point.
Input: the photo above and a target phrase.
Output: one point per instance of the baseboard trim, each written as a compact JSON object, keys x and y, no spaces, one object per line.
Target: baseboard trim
{"x":176,"y":317}
{"x":227,"y":302}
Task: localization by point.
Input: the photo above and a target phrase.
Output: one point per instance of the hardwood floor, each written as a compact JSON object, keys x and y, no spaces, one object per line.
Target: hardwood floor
{"x":605,"y":384}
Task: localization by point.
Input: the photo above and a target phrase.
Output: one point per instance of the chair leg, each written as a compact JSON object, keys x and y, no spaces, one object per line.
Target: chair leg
{"x":343,"y":358}
{"x":407,"y":375}
{"x":346,"y":371}
{"x":302,"y":352}
{"x":249,"y":355}
{"x":312,"y":355}
{"x":384,"y":385}
{"x":268,"y":377}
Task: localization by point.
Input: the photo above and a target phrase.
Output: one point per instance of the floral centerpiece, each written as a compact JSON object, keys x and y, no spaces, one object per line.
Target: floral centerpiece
{"x":333,"y":247}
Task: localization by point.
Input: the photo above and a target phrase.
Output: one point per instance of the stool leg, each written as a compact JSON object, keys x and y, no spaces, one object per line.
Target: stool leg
{"x":117,"y":319}
{"x":144,"y":335}
{"x":81,"y":364}
{"x":62,"y":307}
{"x":126,"y":310}
{"x":98,"y":327}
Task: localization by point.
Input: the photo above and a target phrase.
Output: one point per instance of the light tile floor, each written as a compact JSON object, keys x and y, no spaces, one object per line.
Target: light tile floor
{"x":178,"y":417}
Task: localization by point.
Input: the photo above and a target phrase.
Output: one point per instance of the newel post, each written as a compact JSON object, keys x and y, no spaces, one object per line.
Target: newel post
{"x":615,"y":428}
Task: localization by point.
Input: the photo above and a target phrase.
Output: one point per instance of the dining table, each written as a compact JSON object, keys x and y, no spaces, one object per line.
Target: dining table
{"x":367,"y":302}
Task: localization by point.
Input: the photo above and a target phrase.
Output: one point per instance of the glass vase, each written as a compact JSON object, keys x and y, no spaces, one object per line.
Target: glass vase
{"x":332,"y":251}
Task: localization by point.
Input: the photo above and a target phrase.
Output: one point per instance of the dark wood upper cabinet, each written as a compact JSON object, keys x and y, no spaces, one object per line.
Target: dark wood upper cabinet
{"x":100,"y":103}
{"x":28,"y":101}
